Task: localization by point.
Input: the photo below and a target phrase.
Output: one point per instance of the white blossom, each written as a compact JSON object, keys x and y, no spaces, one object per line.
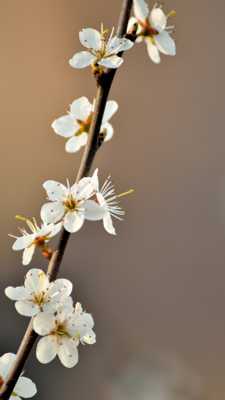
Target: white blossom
{"x":38,"y":294}
{"x":62,"y":332}
{"x":75,"y":126}
{"x":102,"y":51}
{"x":24,"y":387}
{"x":67,"y":204}
{"x":107,"y":199}
{"x":153,"y":29}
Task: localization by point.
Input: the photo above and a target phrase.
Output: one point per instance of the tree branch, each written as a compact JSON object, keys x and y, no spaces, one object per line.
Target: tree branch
{"x":91,"y":148}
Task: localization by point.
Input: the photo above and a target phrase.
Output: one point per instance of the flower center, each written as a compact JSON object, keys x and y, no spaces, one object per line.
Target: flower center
{"x":39,"y":298}
{"x":84,"y":125}
{"x":40,"y":241}
{"x":61,"y":330}
{"x":70,"y":204}
{"x":1,"y":381}
{"x":148,"y":30}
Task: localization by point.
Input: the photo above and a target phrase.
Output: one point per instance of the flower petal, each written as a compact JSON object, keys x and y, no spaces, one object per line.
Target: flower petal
{"x":65,"y":126}
{"x":153,"y":51}
{"x":141,"y":10}
{"x":109,"y":131}
{"x":73,"y":221}
{"x":90,"y":38}
{"x":93,"y":211}
{"x":22,"y":242}
{"x":16,"y":293}
{"x":108,"y":224}
{"x":44,"y":323}
{"x":166,"y":44}
{"x":89,"y":337}
{"x":116,"y":45}
{"x":28,"y":254}
{"x":59,"y":289}
{"x":54,"y":229}
{"x":81,"y":108}
{"x":52,"y":212}
{"x":110,"y":109}
{"x":25,"y":388}
{"x":111,"y":62}
{"x":46,"y":349}
{"x":36,"y":281}
{"x":82,"y":60}
{"x":68,"y":353}
{"x":75,"y":143}
{"x":158,"y":19}
{"x":27,"y":308}
{"x":6,"y":362}
{"x":56,"y":191}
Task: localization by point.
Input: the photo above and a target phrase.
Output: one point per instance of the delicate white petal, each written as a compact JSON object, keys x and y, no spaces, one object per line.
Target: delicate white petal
{"x":75,"y":143}
{"x":116,"y":45}
{"x":27,"y":308}
{"x":166,"y":44}
{"x":28,"y":254}
{"x":22,"y":242}
{"x":158,"y":19}
{"x":93,"y":211}
{"x":109,"y":131}
{"x":44,"y":323}
{"x":36,"y":280}
{"x":73,"y":222}
{"x":65,"y":126}
{"x":25,"y":388}
{"x":85,"y":188}
{"x":141,"y":10}
{"x":15,"y":397}
{"x":56,"y":191}
{"x":81,"y":108}
{"x":132,"y":21}
{"x":55,"y":229}
{"x":68,"y":353}
{"x":46,"y":349}
{"x":16,"y":293}
{"x":108,"y":224}
{"x":6,"y":362}
{"x":90,"y":38}
{"x":89,"y":338}
{"x":60,"y":288}
{"x":110,"y":109}
{"x":52,"y":212}
{"x":153,"y":51}
{"x":111,"y":62}
{"x":82,"y":60}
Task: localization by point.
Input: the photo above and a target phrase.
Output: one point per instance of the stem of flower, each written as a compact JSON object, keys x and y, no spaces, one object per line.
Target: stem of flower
{"x":91,"y":148}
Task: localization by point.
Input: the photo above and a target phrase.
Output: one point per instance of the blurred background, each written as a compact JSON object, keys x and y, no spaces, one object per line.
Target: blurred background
{"x":156,"y":290}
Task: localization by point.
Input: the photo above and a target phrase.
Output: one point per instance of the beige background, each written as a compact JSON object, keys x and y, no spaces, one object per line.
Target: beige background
{"x":159,"y":285}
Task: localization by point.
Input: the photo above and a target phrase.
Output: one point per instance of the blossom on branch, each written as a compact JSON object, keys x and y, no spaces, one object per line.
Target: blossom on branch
{"x":62,"y":332}
{"x":75,"y":126}
{"x":39,"y":237}
{"x":103,"y":51}
{"x":67,"y":204}
{"x":24,"y":387}
{"x":153,"y":29}
{"x":38,"y":294}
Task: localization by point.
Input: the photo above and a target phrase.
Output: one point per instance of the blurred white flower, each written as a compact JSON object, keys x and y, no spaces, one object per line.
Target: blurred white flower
{"x":62,"y":332}
{"x":107,"y":199}
{"x":38,"y":294}
{"x":102,"y":51}
{"x":38,"y":237}
{"x":153,"y":29}
{"x":67,"y":204}
{"x":24,"y":387}
{"x":75,"y":126}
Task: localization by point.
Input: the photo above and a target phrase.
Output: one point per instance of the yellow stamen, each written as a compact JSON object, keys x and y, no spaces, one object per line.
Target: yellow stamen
{"x":21,"y":218}
{"x":125,"y":193}
{"x":172,"y":13}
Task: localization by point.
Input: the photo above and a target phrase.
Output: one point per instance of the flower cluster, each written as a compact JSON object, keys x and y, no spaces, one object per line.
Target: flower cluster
{"x":62,"y":325}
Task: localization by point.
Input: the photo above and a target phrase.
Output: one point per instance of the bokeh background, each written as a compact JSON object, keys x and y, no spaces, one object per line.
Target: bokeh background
{"x":158,"y":287}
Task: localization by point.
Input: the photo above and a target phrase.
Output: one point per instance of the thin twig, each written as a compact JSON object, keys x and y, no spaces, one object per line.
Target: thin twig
{"x":104,"y":86}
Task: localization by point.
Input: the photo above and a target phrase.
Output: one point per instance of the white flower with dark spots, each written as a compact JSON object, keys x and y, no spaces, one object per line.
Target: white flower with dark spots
{"x":109,"y":207}
{"x":102,"y":51}
{"x":24,"y":387}
{"x":62,"y":332}
{"x":38,"y":294}
{"x":67,"y":204}
{"x":75,"y":126}
{"x":37,"y":237}
{"x":153,"y":29}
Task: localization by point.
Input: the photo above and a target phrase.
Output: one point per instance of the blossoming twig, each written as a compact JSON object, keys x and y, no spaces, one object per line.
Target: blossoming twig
{"x":104,"y":85}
